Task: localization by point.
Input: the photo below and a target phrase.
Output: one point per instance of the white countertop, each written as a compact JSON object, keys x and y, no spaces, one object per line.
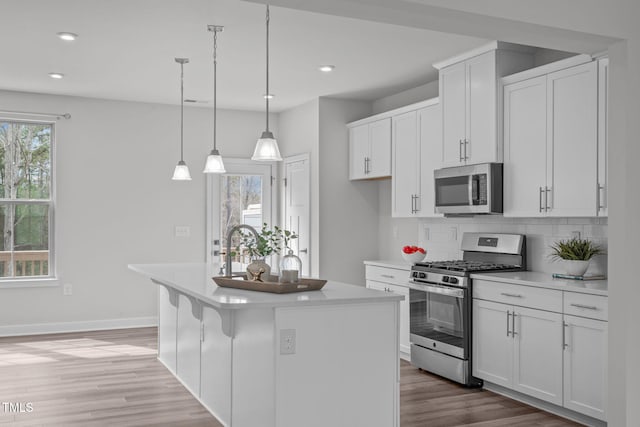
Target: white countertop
{"x":399,"y":264}
{"x":545,"y":280}
{"x":194,"y":279}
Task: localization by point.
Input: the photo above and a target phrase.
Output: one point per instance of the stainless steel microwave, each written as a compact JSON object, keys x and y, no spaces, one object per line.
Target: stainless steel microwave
{"x":469,"y":190}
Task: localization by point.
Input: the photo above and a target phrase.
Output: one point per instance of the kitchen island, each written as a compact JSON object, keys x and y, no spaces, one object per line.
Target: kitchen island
{"x":318,"y":358}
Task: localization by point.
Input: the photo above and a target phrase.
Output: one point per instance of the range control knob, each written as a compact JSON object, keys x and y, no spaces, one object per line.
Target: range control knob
{"x":453,"y":280}
{"x":414,"y":274}
{"x":445,"y":279}
{"x":423,"y":275}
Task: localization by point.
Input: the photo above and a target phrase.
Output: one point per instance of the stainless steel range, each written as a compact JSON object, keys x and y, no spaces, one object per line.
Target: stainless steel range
{"x":440,"y":302}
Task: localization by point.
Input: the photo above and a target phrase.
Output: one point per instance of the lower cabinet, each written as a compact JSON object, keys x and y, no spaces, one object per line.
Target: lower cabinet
{"x":394,"y":280}
{"x":512,"y":347}
{"x":585,"y":366}
{"x":553,"y":356}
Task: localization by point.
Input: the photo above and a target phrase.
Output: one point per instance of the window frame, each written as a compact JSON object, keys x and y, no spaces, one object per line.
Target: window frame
{"x":51,"y":278}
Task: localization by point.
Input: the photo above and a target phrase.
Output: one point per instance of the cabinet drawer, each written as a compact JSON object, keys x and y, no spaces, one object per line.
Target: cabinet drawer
{"x":387,"y":275}
{"x":524,"y":296}
{"x":585,"y":305}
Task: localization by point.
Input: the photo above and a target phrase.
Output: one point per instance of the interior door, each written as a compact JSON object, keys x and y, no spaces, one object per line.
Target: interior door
{"x":243,"y":195}
{"x":296,"y":207}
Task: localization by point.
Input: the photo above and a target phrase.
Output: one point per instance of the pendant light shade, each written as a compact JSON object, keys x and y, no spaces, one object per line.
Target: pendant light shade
{"x":267,"y":147}
{"x":181,"y":172}
{"x":214,"y":162}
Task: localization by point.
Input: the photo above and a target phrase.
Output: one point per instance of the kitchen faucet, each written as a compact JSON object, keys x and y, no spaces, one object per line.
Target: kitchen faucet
{"x":233,"y":229}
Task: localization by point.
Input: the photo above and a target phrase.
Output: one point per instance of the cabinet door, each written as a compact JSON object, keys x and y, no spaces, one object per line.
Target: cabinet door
{"x":430,"y":133}
{"x":572,"y":115}
{"x":492,"y":343}
{"x":404,"y":317}
{"x":603,"y":123}
{"x":167,"y":325}
{"x":481,"y":141}
{"x":537,"y":337}
{"x":406,"y":158}
{"x":358,"y":151}
{"x":585,"y":366}
{"x":216,"y":367}
{"x":525,"y":155}
{"x":379,"y":149}
{"x":453,"y":102}
{"x":188,"y":343}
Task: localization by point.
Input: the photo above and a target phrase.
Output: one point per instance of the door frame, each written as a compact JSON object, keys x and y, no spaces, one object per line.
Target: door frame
{"x":213,"y":181}
{"x":283,"y":208}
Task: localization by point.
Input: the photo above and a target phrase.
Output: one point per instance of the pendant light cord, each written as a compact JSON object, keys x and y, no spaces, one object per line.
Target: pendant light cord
{"x":215,"y":74}
{"x":181,"y":111}
{"x":267,"y":62}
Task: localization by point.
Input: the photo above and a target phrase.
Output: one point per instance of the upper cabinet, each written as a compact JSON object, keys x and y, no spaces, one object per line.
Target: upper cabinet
{"x":370,"y":149}
{"x":470,"y":102}
{"x":551,"y":143}
{"x":415,"y":154}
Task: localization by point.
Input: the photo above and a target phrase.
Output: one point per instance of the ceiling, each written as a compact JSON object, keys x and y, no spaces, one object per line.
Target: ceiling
{"x":126,"y":51}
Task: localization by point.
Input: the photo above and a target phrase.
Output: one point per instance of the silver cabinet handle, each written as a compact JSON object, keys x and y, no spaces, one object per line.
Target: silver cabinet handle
{"x":588,"y":307}
{"x":460,"y":150}
{"x":304,"y":251}
{"x":513,"y":325}
{"x":388,"y":276}
{"x":508,"y":314}
{"x":565,"y":325}
{"x":417,"y":207}
{"x":511,"y":295}
{"x":540,"y":199}
{"x":466,"y":142}
{"x":413,"y":199}
{"x":601,"y":205}
{"x":547,"y":190}
{"x":364,"y":165}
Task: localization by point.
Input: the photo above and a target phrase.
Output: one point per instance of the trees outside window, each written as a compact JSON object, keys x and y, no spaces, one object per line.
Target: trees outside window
{"x":26,"y":202}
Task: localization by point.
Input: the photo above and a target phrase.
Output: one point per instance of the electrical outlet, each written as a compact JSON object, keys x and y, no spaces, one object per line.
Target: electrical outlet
{"x":67,"y":289}
{"x":182,"y":231}
{"x":287,"y":341}
{"x":575,"y":234}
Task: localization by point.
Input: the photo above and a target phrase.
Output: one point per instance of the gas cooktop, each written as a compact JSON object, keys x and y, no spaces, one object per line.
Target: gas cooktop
{"x":464,"y":266}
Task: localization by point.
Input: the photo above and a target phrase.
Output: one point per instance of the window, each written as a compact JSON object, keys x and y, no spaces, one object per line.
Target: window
{"x":26,"y":200}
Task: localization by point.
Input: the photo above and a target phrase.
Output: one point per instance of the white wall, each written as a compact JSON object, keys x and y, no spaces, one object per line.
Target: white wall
{"x":348,"y":209}
{"x":411,"y":96}
{"x":299,"y":134}
{"x":116,"y":202}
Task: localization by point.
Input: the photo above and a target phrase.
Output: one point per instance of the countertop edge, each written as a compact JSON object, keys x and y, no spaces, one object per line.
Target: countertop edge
{"x":546,"y":281}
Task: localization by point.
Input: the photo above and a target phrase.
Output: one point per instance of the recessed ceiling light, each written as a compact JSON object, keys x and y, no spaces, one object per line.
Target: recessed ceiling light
{"x":268,"y":96}
{"x":326,"y":68}
{"x":69,"y":37}
{"x":56,"y":75}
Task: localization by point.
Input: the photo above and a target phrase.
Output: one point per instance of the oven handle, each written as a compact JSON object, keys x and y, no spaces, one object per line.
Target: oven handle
{"x":437,"y":289}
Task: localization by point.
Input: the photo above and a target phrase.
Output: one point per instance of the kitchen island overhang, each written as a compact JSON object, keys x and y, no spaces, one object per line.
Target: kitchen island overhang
{"x":327,"y":357}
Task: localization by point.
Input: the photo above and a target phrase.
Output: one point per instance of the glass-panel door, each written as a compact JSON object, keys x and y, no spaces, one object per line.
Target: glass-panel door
{"x":243,"y":195}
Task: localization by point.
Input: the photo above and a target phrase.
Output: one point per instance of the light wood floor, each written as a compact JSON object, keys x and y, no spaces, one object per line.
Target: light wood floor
{"x":113,"y":378}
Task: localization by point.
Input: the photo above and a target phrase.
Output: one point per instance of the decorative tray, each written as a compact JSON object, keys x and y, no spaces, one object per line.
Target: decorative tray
{"x":272,"y":285}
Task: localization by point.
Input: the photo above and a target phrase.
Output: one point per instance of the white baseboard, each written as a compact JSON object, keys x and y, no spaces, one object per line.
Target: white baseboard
{"x":80,"y":326}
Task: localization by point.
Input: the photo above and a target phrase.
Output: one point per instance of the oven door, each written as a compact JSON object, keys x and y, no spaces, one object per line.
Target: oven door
{"x":438,"y":318}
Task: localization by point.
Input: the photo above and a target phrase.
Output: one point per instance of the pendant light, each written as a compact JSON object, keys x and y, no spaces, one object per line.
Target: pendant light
{"x":267,"y":147}
{"x":214,"y":160}
{"x":181,"y":172}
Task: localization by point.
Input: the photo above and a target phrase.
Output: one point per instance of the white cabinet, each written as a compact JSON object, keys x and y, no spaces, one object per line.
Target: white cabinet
{"x":544,"y":343}
{"x":188,"y":342}
{"x":415,"y":148}
{"x":603,"y":128}
{"x":393,"y":280}
{"x":167,"y":324}
{"x":370,"y":150}
{"x":550,"y":144}
{"x":470,"y":104}
{"x":512,"y":347}
{"x":585,"y":366}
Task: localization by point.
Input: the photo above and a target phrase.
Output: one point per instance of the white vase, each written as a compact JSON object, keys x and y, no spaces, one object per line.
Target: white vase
{"x":576,"y":268}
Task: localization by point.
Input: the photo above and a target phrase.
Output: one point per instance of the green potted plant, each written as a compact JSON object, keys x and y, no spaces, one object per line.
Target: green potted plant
{"x":269,"y":242}
{"x":576,"y":254}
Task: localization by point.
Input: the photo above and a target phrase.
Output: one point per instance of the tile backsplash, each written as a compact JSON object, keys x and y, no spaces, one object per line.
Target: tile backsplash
{"x":441,"y":237}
